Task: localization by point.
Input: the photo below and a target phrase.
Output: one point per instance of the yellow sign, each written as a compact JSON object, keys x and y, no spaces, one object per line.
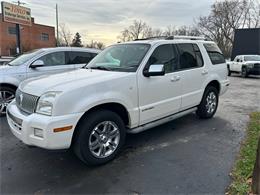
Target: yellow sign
{"x":16,"y":14}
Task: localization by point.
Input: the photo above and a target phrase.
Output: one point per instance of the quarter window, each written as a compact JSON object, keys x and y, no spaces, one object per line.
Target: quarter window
{"x":81,"y":57}
{"x":164,"y":54}
{"x":190,"y":56}
{"x":54,"y":59}
{"x":214,"y":53}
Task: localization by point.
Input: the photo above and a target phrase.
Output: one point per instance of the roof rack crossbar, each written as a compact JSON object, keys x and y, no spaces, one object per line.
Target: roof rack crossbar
{"x":173,"y":37}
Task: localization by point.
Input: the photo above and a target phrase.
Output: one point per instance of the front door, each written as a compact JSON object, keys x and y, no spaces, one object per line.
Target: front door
{"x":160,"y":96}
{"x":55,"y":62}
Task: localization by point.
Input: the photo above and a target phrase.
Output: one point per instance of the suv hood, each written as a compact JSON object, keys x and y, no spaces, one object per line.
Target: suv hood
{"x":67,"y":81}
{"x":252,"y":62}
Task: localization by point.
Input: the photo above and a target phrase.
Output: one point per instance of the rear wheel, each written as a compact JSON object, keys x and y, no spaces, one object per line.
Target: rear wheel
{"x":7,"y":94}
{"x":99,"y":137}
{"x":209,"y":103}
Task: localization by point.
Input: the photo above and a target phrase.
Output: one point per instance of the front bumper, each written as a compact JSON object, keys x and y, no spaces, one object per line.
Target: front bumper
{"x":224,"y":86}
{"x":23,"y":127}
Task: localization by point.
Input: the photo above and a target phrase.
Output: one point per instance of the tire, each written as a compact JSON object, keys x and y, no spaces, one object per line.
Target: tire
{"x":244,"y":72}
{"x":229,"y":72}
{"x":209,"y":103}
{"x":7,"y":94}
{"x":91,"y":132}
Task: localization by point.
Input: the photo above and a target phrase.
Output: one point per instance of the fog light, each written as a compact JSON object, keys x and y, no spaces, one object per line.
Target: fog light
{"x":38,"y":132}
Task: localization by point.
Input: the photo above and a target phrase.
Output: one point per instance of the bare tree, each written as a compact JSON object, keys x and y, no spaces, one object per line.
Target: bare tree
{"x":96,"y":44}
{"x":137,"y":30}
{"x":65,"y":35}
{"x":227,"y":16}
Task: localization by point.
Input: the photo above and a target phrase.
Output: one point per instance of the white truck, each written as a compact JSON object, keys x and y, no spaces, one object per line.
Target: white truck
{"x":245,"y":65}
{"x":128,"y":88}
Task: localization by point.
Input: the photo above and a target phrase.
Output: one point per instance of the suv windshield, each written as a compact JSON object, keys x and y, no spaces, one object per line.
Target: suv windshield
{"x":122,"y":57}
{"x":24,"y":57}
{"x":252,"y":58}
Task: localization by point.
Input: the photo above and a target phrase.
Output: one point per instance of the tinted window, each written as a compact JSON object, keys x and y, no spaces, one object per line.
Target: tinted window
{"x":54,"y":59}
{"x":214,"y":53}
{"x":81,"y":57}
{"x":188,"y":56}
{"x":164,"y":54}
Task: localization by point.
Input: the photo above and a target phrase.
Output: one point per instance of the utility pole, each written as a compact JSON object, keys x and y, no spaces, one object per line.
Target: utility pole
{"x":57,"y":26}
{"x":18,"y":33}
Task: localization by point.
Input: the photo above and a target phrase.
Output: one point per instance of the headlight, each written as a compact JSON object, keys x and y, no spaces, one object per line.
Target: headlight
{"x":250,"y":65}
{"x":45,"y":103}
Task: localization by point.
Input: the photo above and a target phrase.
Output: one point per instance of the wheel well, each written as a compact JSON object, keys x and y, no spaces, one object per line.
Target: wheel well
{"x":114,"y":107}
{"x":8,"y":85}
{"x":214,"y":84}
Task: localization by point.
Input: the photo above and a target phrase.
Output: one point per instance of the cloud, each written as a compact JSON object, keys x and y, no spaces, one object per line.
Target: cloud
{"x":104,"y":19}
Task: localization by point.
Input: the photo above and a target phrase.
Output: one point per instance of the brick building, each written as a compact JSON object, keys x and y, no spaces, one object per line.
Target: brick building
{"x":32,"y":37}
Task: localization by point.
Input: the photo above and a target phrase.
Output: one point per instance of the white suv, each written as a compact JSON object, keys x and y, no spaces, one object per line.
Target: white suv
{"x":129,"y":87}
{"x":39,"y":62}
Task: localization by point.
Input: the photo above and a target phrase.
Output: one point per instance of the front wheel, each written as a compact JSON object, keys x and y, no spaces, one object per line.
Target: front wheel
{"x":209,"y":103}
{"x":99,"y":137}
{"x":244,"y":72}
{"x":7,"y":94}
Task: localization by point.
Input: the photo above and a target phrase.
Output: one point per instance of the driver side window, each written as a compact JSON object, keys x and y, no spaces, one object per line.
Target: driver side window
{"x":54,"y":59}
{"x":164,"y":54}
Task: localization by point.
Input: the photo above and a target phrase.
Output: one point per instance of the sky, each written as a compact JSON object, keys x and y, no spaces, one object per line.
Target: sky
{"x":103,"y":20}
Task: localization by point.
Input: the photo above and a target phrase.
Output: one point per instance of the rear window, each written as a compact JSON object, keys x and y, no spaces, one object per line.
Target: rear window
{"x":81,"y":57}
{"x":214,"y":53}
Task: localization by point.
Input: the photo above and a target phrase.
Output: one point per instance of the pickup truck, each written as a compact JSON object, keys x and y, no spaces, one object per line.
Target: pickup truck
{"x":127,"y":88}
{"x":245,"y":65}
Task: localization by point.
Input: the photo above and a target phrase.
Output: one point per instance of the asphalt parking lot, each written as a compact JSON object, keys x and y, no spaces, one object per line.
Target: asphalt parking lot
{"x":187,"y":155}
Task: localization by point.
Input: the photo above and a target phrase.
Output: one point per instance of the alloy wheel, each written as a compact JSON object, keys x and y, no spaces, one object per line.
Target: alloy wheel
{"x":104,"y":139}
{"x":5,"y":98}
{"x":211,"y":102}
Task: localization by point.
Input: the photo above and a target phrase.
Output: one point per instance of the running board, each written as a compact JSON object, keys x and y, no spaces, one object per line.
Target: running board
{"x":160,"y":121}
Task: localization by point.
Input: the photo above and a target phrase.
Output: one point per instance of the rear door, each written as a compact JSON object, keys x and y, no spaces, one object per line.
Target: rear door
{"x":80,"y":59}
{"x":193,"y":74}
{"x":55,"y":62}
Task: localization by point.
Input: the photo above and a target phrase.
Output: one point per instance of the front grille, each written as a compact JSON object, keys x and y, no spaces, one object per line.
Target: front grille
{"x":257,"y":65}
{"x":26,"y":102}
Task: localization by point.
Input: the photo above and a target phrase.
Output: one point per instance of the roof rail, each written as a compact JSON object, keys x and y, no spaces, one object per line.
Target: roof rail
{"x":173,"y":37}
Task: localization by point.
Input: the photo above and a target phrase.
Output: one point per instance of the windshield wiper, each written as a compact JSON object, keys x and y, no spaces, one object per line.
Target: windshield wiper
{"x":100,"y":68}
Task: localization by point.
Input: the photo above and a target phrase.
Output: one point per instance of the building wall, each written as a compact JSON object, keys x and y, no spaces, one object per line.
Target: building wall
{"x":31,"y":37}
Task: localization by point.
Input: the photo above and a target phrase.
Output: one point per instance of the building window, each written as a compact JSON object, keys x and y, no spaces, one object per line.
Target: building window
{"x":45,"y":37}
{"x":12,"y":30}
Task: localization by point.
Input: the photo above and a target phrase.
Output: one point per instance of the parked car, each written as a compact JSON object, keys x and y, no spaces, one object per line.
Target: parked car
{"x":129,"y":87}
{"x":5,"y":59}
{"x":245,"y":65}
{"x":37,"y":63}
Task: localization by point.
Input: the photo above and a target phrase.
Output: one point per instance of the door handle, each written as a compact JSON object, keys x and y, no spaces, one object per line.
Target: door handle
{"x":204,"y":72}
{"x":175,"y":78}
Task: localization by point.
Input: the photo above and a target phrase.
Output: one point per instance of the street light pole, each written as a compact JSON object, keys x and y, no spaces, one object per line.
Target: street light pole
{"x":57,"y":26}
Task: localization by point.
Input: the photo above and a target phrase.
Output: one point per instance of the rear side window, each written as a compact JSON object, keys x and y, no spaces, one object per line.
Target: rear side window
{"x":214,"y":53}
{"x":189,"y":56}
{"x":81,"y":57}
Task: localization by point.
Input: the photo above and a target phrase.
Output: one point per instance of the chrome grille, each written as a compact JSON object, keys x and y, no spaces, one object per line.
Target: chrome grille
{"x":26,"y":102}
{"x":257,"y":65}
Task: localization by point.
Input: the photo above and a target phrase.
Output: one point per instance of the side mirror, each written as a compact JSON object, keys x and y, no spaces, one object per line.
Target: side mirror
{"x":37,"y":63}
{"x":154,"y":70}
